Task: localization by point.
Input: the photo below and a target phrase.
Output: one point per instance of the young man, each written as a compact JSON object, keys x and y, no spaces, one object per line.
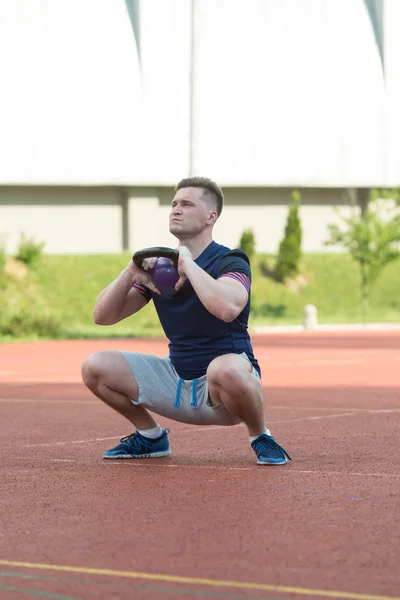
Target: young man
{"x":211,"y":376}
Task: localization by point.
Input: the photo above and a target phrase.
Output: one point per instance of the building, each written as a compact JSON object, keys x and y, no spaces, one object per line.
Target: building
{"x":106,"y":104}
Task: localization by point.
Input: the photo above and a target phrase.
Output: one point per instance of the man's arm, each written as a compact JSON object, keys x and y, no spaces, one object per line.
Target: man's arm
{"x":120,"y":299}
{"x":225,"y":298}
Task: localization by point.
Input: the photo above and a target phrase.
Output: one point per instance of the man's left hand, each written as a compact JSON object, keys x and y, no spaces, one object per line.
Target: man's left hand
{"x":184,"y":256}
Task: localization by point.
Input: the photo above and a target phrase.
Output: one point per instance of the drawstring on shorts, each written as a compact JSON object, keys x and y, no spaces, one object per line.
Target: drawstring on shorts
{"x":193,"y":403}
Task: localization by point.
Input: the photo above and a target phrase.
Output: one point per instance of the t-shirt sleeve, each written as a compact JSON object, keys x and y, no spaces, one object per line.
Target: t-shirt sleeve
{"x":143,"y":290}
{"x":236,"y":268}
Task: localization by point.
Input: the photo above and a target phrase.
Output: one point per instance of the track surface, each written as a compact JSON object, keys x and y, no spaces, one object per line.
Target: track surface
{"x":206,"y":522}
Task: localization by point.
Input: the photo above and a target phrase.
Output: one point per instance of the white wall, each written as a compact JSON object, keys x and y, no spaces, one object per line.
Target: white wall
{"x":392,"y":75}
{"x":165,"y":66}
{"x":148,"y":223}
{"x":68,"y":221}
{"x":285,"y":93}
{"x":288,"y":93}
{"x":70,"y":92}
{"x":265,"y":212}
{"x":91,"y":220}
{"x":262,"y":210}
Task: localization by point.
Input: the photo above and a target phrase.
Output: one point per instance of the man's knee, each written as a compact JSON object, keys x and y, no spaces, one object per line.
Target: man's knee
{"x":92,"y":368}
{"x":109,"y":368}
{"x":228,"y":371}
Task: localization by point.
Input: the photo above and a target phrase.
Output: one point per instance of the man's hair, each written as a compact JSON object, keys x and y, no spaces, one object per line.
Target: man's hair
{"x":210,"y":189}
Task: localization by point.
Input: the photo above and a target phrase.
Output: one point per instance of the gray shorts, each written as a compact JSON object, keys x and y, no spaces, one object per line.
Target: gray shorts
{"x":162,"y":391}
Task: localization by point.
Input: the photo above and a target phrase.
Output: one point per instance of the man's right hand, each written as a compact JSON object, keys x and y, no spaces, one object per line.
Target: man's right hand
{"x":140,"y":276}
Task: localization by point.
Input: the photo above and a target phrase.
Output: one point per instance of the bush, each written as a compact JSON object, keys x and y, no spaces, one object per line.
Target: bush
{"x":3,"y":257}
{"x":29,"y":251}
{"x":24,"y":313}
{"x":289,"y":254}
{"x":247,"y":242}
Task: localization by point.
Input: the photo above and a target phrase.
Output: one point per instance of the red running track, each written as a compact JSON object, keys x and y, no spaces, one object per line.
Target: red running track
{"x":206,"y":522}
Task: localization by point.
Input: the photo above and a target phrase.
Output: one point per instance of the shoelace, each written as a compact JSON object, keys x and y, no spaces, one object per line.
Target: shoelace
{"x":267,"y":443}
{"x":140,"y":442}
{"x":136,"y":442}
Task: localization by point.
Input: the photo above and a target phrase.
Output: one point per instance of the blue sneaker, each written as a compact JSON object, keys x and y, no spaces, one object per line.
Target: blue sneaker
{"x":139,"y":446}
{"x":268,"y":451}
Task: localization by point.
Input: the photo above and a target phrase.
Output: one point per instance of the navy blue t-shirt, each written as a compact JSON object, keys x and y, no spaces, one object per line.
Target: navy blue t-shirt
{"x":196,"y":336}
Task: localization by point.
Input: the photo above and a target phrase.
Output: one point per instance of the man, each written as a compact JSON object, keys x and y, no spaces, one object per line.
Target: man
{"x":211,"y":375}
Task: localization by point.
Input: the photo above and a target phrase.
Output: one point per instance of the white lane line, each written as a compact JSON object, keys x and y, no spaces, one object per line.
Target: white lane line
{"x":312,"y":418}
{"x":134,"y":463}
{"x":315,"y":418}
{"x":217,"y":427}
{"x":139,"y":463}
{"x":115,"y":437}
{"x":142,"y":463}
{"x":293,"y":407}
{"x":344,"y":473}
{"x":203,"y":428}
{"x":335,"y":416}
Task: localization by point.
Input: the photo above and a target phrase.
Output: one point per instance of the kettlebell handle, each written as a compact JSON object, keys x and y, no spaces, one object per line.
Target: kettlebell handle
{"x":155,"y":251}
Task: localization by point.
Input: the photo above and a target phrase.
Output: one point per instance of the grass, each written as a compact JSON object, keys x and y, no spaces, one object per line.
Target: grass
{"x":72,"y":285}
{"x":332,"y":285}
{"x":68,"y":286}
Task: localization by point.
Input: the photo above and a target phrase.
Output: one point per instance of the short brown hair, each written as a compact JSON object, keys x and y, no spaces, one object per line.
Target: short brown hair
{"x":209,"y":187}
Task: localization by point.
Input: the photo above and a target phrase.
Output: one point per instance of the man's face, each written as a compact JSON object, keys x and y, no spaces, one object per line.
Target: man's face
{"x":190,"y":213}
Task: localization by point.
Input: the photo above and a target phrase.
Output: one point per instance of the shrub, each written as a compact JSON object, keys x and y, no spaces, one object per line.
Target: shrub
{"x":23,"y":313}
{"x":247,"y":242}
{"x":289,"y":254}
{"x":3,"y":258}
{"x":29,"y":251}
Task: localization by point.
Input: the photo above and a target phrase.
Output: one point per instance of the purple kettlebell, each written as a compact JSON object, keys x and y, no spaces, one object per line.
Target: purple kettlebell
{"x":165,"y":276}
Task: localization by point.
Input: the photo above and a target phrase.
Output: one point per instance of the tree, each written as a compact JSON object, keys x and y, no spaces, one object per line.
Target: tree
{"x":372,"y":238}
{"x":247,"y":242}
{"x":289,"y":254}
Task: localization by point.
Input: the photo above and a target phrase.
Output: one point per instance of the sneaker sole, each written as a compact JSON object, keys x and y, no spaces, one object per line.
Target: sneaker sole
{"x":271,"y":464}
{"x":151,"y":455}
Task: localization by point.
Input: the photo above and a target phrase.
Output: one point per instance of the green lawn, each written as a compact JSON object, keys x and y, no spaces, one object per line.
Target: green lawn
{"x":332,"y":284}
{"x":64,"y":289}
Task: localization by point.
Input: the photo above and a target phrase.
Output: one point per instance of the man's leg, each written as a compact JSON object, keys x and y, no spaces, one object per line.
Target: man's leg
{"x":108,"y":375}
{"x":232,"y":383}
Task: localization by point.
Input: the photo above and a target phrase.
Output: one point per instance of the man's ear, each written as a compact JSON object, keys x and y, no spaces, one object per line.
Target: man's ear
{"x":212,"y":217}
